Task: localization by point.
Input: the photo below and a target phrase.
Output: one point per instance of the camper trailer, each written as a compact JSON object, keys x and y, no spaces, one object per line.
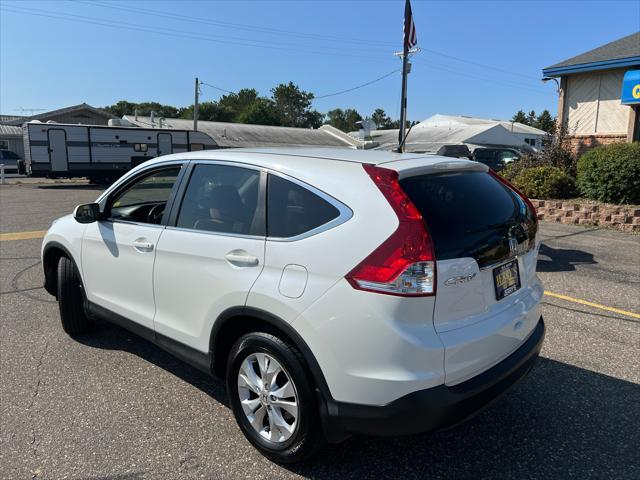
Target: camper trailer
{"x":100,"y":153}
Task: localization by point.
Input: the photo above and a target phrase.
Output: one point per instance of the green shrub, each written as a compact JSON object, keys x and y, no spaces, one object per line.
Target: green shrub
{"x":545,"y":182}
{"x":611,"y":173}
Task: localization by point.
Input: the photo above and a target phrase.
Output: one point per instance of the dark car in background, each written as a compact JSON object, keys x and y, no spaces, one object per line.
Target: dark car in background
{"x":10,"y":161}
{"x":456,"y":151}
{"x":496,"y":158}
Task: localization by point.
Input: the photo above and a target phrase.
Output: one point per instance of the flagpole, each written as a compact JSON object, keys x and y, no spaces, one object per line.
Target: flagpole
{"x":405,"y":64}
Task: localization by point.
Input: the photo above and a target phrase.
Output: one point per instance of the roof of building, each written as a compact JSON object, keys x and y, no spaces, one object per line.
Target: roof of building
{"x":231,"y":135}
{"x":440,"y":120}
{"x":60,"y":111}
{"x":10,"y":130}
{"x":12,"y":118}
{"x":620,"y":53}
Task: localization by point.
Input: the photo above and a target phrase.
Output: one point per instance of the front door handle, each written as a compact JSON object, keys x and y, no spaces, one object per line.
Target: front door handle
{"x":143,"y":245}
{"x":240,"y":258}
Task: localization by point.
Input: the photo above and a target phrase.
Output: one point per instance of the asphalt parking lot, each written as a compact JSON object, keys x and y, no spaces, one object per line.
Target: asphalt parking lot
{"x":112,"y":406}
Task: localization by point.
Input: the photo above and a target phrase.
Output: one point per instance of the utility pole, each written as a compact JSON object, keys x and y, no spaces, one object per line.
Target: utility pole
{"x":403,"y":100}
{"x":195,"y":106}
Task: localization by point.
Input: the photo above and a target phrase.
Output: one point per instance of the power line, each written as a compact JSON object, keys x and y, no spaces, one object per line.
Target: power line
{"x":358,"y":86}
{"x":240,"y":26}
{"x":170,"y":32}
{"x":217,"y":88}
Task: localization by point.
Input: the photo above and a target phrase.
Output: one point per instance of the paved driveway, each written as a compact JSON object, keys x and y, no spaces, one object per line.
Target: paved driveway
{"x":112,"y":406}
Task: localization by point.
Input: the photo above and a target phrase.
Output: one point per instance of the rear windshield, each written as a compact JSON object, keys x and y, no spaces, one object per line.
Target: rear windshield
{"x":470,"y":214}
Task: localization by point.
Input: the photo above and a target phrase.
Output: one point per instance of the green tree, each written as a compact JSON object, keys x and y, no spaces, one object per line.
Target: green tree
{"x":261,"y":111}
{"x":344,"y":120}
{"x":293,"y":105}
{"x":124,"y":107}
{"x":520,"y":117}
{"x":237,"y":103}
{"x":209,"y":111}
{"x":531,"y":118}
{"x":545,"y":122}
{"x":381,"y":119}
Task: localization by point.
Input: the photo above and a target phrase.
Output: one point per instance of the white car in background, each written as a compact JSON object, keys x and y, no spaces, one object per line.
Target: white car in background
{"x":336,"y":291}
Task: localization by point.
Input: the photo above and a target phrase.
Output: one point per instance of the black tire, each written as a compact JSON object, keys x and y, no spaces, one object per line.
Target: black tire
{"x":307,"y":437}
{"x":71,"y":299}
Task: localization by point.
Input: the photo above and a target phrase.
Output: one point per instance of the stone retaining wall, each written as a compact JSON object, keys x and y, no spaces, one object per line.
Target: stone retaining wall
{"x":622,"y":218}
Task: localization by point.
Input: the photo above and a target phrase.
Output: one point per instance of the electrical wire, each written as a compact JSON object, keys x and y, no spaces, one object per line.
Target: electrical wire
{"x":358,"y":86}
{"x":218,"y":88}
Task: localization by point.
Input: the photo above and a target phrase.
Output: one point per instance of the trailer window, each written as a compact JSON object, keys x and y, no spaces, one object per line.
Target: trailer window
{"x":197,"y":146}
{"x":140,"y":147}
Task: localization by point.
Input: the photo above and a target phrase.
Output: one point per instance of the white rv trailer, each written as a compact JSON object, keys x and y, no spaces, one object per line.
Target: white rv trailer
{"x":100,"y":153}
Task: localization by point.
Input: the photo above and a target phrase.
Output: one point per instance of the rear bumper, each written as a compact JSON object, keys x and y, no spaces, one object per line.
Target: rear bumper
{"x":438,"y":407}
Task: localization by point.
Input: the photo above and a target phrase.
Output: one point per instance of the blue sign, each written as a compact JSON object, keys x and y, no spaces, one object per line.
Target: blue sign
{"x":631,"y":88}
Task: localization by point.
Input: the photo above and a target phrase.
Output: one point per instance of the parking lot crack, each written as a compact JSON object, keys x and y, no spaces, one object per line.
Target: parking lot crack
{"x":36,"y":391}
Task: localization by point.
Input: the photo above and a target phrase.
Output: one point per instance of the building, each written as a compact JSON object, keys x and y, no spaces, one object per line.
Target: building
{"x":591,"y":90}
{"x":11,"y":125}
{"x":235,"y":135}
{"x":439,"y":130}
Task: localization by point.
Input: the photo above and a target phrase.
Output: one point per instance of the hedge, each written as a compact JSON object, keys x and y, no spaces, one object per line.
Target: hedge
{"x":611,"y":173}
{"x":545,"y":182}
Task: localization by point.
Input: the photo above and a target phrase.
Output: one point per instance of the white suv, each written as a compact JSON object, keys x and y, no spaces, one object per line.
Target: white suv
{"x":336,"y":291}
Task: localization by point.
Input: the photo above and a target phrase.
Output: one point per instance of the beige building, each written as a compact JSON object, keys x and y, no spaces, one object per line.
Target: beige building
{"x":590,"y":91}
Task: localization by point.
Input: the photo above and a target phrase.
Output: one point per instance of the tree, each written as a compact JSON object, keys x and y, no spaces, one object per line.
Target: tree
{"x":237,"y":103}
{"x":124,"y":107}
{"x":210,"y":111}
{"x":344,"y":120}
{"x":520,"y":117}
{"x":261,"y":111}
{"x":546,"y":122}
{"x":381,"y":119}
{"x":293,"y":105}
{"x":531,"y":118}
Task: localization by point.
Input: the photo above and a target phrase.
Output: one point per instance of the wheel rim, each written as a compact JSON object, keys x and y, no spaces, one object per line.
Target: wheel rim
{"x":268,"y":397}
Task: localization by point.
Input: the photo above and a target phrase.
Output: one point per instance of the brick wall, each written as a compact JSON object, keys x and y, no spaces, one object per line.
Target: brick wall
{"x":626,"y":218}
{"x":583,"y":143}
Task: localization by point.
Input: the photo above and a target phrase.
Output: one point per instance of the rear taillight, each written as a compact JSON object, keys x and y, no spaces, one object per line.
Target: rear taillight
{"x":508,"y":184}
{"x":405,"y":263}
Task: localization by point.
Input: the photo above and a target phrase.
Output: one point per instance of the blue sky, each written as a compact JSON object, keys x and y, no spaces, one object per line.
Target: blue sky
{"x":479,"y":58}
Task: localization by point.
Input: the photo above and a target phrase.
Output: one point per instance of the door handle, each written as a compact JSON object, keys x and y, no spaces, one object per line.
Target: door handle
{"x":142,"y":245}
{"x":240,"y":258}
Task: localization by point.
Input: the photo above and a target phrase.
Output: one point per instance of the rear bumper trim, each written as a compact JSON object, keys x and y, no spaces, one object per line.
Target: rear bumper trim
{"x":439,"y":407}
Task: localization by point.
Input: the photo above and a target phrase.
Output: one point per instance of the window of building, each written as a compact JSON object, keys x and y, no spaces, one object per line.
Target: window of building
{"x":223,"y":199}
{"x":293,"y":210}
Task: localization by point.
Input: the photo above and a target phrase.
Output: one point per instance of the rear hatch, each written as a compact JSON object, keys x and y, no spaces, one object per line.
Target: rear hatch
{"x":484,"y":239}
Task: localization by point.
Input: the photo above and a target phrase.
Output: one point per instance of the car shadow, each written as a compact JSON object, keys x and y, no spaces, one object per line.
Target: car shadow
{"x":560,"y":421}
{"x":562,"y":259}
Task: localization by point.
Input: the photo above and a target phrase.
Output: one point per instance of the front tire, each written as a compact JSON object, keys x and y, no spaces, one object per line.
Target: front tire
{"x":71,"y":299}
{"x":272,"y":399}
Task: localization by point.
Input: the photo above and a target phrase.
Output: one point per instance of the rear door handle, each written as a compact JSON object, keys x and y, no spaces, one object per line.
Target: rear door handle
{"x":143,"y":245}
{"x":240,"y":258}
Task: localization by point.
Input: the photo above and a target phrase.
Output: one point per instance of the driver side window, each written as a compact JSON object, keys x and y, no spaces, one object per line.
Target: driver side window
{"x":145,"y":200}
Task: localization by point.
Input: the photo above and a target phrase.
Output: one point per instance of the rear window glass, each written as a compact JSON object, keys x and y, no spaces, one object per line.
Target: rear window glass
{"x":293,"y":210}
{"x":465,"y":212}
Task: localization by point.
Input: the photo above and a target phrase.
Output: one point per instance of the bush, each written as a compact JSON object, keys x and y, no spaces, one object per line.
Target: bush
{"x":545,"y":182}
{"x":611,"y":173}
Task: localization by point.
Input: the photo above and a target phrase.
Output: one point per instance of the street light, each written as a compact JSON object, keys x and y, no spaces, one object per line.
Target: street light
{"x":546,"y":79}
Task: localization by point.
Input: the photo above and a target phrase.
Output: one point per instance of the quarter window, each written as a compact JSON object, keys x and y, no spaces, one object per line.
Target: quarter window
{"x":145,"y":200}
{"x":293,"y":210}
{"x":223,"y":199}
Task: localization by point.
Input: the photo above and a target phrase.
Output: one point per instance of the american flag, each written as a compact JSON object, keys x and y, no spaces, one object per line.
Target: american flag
{"x":410,"y":37}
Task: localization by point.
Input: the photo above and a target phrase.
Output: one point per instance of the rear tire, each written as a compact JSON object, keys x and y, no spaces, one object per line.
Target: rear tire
{"x":71,"y":299}
{"x":284,"y":435}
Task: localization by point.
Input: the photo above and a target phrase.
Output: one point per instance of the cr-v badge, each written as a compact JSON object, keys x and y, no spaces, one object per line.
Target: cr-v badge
{"x":460,"y":279}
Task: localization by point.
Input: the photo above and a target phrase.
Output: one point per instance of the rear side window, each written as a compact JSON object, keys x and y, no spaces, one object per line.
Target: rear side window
{"x":467,"y":213}
{"x":223,"y":199}
{"x":293,"y":210}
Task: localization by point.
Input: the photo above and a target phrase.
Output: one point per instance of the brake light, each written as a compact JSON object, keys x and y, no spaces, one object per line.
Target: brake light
{"x":508,"y":184}
{"x":405,"y":263}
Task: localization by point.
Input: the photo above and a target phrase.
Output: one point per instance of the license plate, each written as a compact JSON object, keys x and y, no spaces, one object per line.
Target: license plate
{"x":506,"y":279}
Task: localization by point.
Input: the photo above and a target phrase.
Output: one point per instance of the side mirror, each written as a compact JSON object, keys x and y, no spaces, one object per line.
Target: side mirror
{"x":87,"y":213}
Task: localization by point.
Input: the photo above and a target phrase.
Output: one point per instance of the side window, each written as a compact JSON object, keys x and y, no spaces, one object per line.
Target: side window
{"x":223,"y":199}
{"x":293,"y":209}
{"x":145,"y":200}
{"x":140,"y":147}
{"x":197,"y":146}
